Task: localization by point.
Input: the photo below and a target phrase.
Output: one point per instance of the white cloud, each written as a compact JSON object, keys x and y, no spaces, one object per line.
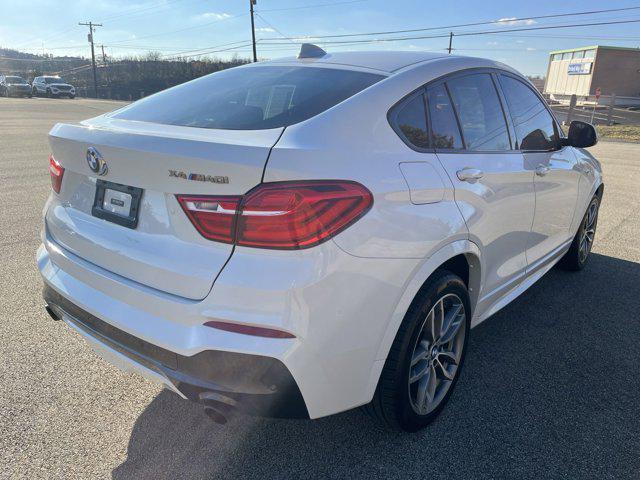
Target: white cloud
{"x":213,"y":15}
{"x":265,"y":29}
{"x":512,"y":21}
{"x":531,"y":49}
{"x":305,"y":39}
{"x":492,"y":43}
{"x":519,"y":41}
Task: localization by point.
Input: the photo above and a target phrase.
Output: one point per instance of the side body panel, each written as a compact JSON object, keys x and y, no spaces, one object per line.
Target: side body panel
{"x":498,"y":209}
{"x":556,"y":193}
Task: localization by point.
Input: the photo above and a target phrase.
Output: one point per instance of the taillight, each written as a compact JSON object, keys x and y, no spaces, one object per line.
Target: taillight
{"x":280,"y":215}
{"x":213,"y":217}
{"x":57,"y":172}
{"x":292,"y":215}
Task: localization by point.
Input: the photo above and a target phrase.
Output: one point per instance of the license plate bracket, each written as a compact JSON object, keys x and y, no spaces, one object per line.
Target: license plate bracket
{"x":117,"y":203}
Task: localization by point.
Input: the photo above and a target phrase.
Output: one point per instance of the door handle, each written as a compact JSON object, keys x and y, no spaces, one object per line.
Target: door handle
{"x":470,"y":175}
{"x":542,"y":170}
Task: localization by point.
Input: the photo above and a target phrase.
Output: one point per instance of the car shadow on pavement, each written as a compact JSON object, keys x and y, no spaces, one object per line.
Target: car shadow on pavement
{"x":549,"y":390}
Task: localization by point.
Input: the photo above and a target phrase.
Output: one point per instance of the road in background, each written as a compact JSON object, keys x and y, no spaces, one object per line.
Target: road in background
{"x":549,"y":390}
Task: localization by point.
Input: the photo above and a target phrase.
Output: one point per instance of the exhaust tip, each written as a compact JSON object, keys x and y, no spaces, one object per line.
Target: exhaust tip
{"x":215,"y":415}
{"x":51,"y":312}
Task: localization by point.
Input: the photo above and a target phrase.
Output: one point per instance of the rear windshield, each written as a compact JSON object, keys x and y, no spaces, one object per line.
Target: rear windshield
{"x":16,"y":80}
{"x":52,"y":80}
{"x":252,"y":98}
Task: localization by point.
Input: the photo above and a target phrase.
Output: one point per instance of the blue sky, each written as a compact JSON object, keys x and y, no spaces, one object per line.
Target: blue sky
{"x":222,"y":27}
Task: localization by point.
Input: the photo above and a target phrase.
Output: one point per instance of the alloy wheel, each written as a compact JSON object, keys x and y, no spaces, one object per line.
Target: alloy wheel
{"x":588,"y":231}
{"x":437,"y":354}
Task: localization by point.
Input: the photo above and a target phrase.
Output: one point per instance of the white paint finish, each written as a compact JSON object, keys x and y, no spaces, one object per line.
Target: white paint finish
{"x":343,"y":299}
{"x":556,"y":198}
{"x":498,"y":209}
{"x":165,"y":251}
{"x":312,"y":293}
{"x":374,"y":60}
{"x":424,"y":182}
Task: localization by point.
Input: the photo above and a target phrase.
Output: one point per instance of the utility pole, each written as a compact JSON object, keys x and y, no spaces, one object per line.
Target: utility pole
{"x":450,"y":42}
{"x":253,"y":30}
{"x":92,"y":27}
{"x":105,"y":69}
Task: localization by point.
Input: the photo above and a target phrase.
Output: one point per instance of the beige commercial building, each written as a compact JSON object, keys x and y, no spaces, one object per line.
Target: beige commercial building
{"x":582,"y":71}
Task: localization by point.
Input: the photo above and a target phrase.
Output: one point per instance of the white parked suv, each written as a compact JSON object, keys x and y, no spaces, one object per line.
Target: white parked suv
{"x":52,"y":87}
{"x":304,"y":236}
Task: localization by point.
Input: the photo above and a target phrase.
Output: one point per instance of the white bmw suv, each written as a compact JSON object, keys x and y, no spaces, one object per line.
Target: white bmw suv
{"x":300,"y":237}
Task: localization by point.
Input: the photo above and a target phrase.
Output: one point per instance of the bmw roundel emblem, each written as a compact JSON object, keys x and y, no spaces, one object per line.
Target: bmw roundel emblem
{"x":96,"y":162}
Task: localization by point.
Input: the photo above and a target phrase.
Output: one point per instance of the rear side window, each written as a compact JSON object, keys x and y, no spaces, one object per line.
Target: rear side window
{"x":412,"y":122}
{"x":535,"y":127}
{"x":444,"y":126}
{"x":252,"y":98}
{"x":481,"y":117}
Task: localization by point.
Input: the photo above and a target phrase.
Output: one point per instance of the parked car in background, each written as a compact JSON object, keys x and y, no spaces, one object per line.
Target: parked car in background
{"x":313,"y":234}
{"x":52,"y":87}
{"x":14,"y":86}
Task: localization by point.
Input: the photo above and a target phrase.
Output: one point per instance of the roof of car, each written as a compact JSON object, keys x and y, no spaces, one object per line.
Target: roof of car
{"x":386,"y":61}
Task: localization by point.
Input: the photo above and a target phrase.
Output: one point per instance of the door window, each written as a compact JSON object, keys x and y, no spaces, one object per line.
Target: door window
{"x":480,"y":113}
{"x":412,"y":122}
{"x":444,"y":126}
{"x":535,"y":127}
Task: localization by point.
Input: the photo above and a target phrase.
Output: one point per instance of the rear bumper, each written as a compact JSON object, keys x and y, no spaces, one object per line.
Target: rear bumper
{"x":252,"y":384}
{"x":338,"y":307}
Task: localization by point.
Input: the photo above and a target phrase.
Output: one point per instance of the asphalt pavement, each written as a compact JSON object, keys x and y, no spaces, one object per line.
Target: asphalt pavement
{"x":550,"y":387}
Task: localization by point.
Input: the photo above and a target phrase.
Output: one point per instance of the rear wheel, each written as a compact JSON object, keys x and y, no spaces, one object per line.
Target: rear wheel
{"x":426,"y":357}
{"x":576,"y":258}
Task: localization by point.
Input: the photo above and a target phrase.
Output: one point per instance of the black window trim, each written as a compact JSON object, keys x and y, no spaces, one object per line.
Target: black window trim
{"x":556,"y":125}
{"x":394,"y":111}
{"x":507,"y":119}
{"x":494,"y":72}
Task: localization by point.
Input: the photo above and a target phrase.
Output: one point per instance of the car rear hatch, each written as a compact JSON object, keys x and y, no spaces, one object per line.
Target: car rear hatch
{"x":161,"y":249}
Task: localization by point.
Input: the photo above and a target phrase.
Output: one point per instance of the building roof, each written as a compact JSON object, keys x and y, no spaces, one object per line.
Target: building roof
{"x":385,"y":61}
{"x":593,"y":47}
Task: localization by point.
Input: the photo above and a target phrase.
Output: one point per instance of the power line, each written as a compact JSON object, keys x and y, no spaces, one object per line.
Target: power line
{"x":178,"y":53}
{"x":464,"y":34}
{"x":213,"y":51}
{"x":272,"y":26}
{"x":504,"y":21}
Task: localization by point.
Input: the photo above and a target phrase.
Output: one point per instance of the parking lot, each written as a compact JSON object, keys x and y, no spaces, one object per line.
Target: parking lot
{"x":550,"y":388}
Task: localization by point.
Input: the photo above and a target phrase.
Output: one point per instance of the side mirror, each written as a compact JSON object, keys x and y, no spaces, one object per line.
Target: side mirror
{"x":581,"y":135}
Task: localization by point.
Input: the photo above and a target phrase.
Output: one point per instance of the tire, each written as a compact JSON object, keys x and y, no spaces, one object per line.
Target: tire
{"x":578,"y":254}
{"x":71,"y":97}
{"x":34,"y":92}
{"x":396,"y":402}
